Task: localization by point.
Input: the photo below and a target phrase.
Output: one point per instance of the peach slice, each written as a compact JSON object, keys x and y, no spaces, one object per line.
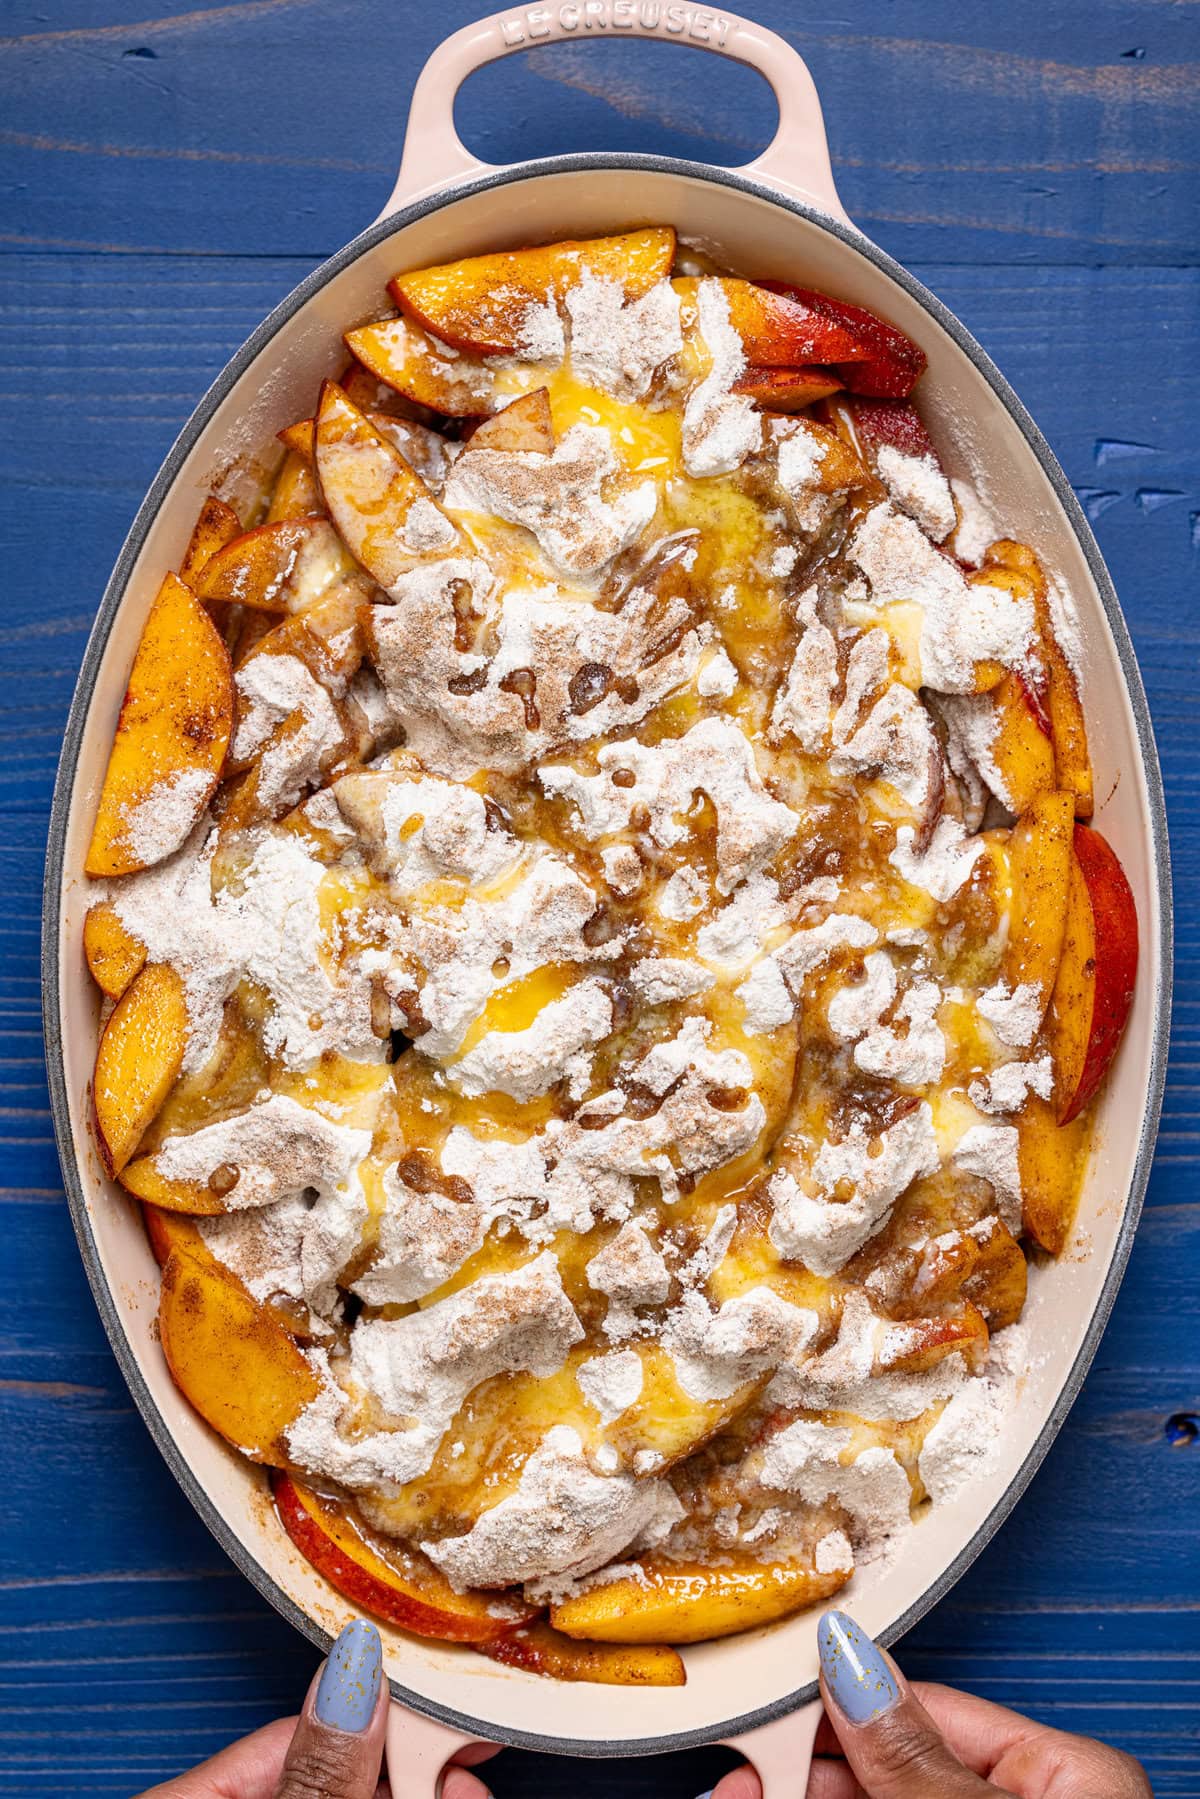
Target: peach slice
{"x":280,"y":568}
{"x":423,"y":448}
{"x":776,"y":331}
{"x":384,"y":511}
{"x":1096,"y":974}
{"x":113,"y":953}
{"x":217,"y":525}
{"x":1040,"y":871}
{"x":684,"y":1602}
{"x":1022,"y":751}
{"x":896,"y":423}
{"x":170,"y":741}
{"x":187,"y":1199}
{"x":1050,"y":1157}
{"x":998,"y":1280}
{"x":230,"y":1356}
{"x":540,"y":1649}
{"x":886,"y":364}
{"x":786,"y":390}
{"x":1068,"y":728}
{"x":295,"y":492}
{"x":388,"y":1578}
{"x":399,"y":353}
{"x":166,"y":1230}
{"x":483,"y":303}
{"x":138,"y":1061}
{"x":524,"y":424}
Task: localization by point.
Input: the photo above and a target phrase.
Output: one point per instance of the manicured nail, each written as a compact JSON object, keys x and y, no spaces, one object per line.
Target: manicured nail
{"x":855,"y":1672}
{"x":349,"y":1683}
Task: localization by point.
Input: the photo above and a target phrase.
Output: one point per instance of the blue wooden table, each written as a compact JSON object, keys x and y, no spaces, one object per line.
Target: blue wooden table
{"x":164,"y":182}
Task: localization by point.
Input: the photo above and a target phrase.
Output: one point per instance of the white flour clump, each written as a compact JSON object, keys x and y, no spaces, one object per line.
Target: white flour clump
{"x":272,"y":690}
{"x":563,"y":1520}
{"x":275,"y":1150}
{"x":963,"y":624}
{"x":718,"y":1352}
{"x":155,"y":826}
{"x":526,"y":1063}
{"x":1014,"y":1014}
{"x":1005,"y":1088}
{"x":944,"y":866}
{"x":918,"y":486}
{"x":415,"y":1373}
{"x":822,"y":1231}
{"x":966,"y":1439}
{"x":720,"y":428}
{"x":630,"y":1272}
{"x":611,"y":1383}
{"x":991,"y":1151}
{"x":619,"y":345}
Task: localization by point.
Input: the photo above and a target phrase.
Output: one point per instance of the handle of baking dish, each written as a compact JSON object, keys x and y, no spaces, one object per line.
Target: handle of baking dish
{"x":795,"y":161}
{"x":418,"y":1748}
{"x":781,"y":1753}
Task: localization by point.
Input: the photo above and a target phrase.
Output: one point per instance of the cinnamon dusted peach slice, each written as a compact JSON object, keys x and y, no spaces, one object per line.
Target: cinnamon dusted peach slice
{"x":491,"y":304}
{"x":524,"y":424}
{"x":113,"y":953}
{"x":399,"y":353}
{"x":388,"y":1578}
{"x":1050,"y":1157}
{"x":786,"y":390}
{"x":217,"y":525}
{"x":683,"y":1602}
{"x":540,"y":1649}
{"x":231,"y":1357}
{"x":138,"y":1061}
{"x":886,"y":363}
{"x":1096,"y":973}
{"x":170,"y":741}
{"x":1022,"y":752}
{"x":997,"y":1282}
{"x":1040,"y":872}
{"x":384,"y":511}
{"x":280,"y":568}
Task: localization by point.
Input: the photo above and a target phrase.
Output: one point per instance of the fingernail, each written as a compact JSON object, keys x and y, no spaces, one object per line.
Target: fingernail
{"x":855,"y":1672}
{"x":349,"y":1683}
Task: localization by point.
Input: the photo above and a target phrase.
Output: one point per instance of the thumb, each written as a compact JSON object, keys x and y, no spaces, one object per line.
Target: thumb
{"x":893,"y":1746}
{"x":337,"y":1749}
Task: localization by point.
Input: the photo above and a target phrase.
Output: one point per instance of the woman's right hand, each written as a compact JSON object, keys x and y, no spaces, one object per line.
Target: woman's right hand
{"x":884,"y":1739}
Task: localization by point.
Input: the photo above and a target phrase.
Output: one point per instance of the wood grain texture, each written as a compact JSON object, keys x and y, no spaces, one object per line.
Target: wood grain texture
{"x":1041,"y":177}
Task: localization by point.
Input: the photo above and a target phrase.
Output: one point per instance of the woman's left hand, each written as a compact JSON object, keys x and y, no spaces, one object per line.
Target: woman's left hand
{"x":333,"y":1750}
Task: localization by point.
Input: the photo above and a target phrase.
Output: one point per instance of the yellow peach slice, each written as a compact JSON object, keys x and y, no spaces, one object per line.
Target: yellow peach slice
{"x":540,"y":1649}
{"x":524,"y":424}
{"x":1040,"y":865}
{"x":229,"y":1355}
{"x":483,"y":303}
{"x":281,"y":567}
{"x":217,"y":525}
{"x":138,"y":1061}
{"x":683,"y":1602}
{"x":113,"y":953}
{"x":170,"y":741}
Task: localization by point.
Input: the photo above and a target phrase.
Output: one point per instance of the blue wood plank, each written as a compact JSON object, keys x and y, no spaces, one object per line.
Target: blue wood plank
{"x":973,"y":145}
{"x":1032,"y":132}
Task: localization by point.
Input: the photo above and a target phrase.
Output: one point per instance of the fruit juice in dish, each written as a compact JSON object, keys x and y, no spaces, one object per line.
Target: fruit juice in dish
{"x":608,"y":965}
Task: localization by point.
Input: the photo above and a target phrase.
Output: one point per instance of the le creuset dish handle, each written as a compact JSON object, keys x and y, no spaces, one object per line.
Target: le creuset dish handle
{"x":780,"y":1753}
{"x":795,"y":162}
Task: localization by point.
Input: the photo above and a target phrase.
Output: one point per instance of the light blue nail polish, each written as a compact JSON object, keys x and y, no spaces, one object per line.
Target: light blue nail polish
{"x":860,"y":1680}
{"x":349,"y":1683}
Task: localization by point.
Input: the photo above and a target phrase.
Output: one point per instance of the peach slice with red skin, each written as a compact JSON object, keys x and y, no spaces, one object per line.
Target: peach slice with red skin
{"x":171,"y":737}
{"x":387,"y":1578}
{"x":1096,"y":973}
{"x":886,"y":364}
{"x":540,"y":1649}
{"x":280,"y":567}
{"x":786,"y":390}
{"x":482,"y":304}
